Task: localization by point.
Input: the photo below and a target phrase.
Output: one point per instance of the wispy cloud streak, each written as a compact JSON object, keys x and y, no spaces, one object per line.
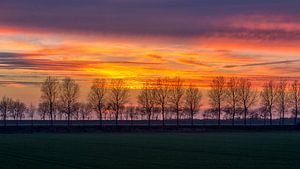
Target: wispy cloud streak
{"x":263,"y":63}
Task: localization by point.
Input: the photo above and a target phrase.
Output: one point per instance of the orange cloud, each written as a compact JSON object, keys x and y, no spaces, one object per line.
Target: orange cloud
{"x":195,"y":60}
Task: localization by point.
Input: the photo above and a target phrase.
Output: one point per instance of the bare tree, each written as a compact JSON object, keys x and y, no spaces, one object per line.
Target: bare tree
{"x":69,"y":94}
{"x":263,"y":110}
{"x":156,"y":112}
{"x":43,"y":110}
{"x":210,"y":113}
{"x":30,"y":111}
{"x":281,"y":100}
{"x":146,"y":99}
{"x":247,"y":96}
{"x":4,"y":108}
{"x":109,"y":110}
{"x":50,"y":93}
{"x":268,"y":96}
{"x":176,"y":95}
{"x":131,"y":113}
{"x":76,"y":113}
{"x":84,"y":111}
{"x":295,"y":99}
{"x":118,"y":96}
{"x":12,"y":110}
{"x":217,"y":94}
{"x":60,"y":111}
{"x":232,"y":96}
{"x":18,"y":110}
{"x":97,"y":97}
{"x":255,"y":114}
{"x":193,"y":98}
{"x":228,"y":111}
{"x":162,"y":95}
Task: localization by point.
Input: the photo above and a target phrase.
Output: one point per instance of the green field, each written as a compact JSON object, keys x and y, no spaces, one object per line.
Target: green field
{"x":267,"y":150}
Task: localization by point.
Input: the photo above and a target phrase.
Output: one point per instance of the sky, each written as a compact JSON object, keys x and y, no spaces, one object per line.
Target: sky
{"x":140,"y":39}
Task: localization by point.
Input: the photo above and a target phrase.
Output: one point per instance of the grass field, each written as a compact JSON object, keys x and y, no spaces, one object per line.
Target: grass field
{"x":268,"y":150}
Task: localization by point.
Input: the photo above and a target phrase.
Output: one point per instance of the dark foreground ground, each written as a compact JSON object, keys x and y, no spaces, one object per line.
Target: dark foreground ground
{"x":209,"y":150}
{"x":184,"y":122}
{"x":144,"y":128}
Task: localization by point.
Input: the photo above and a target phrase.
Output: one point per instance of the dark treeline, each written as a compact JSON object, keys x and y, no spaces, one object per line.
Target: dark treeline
{"x":162,"y":99}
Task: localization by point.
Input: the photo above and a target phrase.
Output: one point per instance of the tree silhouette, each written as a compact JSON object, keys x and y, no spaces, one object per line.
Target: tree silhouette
{"x":69,"y":94}
{"x":232,"y":97}
{"x":210,"y":113}
{"x":131,"y":112}
{"x":162,"y":95}
{"x":294,"y":98}
{"x":176,"y":96}
{"x":43,"y":110}
{"x":281,"y":100}
{"x":263,"y":110}
{"x":247,"y":96}
{"x":216,"y":95}
{"x":146,"y":99}
{"x":50,"y":94}
{"x":118,"y":96}
{"x":5,"y":105}
{"x":84,"y":111}
{"x":30,"y":111}
{"x":97,"y":97}
{"x":18,"y":110}
{"x":268,"y":96}
{"x":193,"y":97}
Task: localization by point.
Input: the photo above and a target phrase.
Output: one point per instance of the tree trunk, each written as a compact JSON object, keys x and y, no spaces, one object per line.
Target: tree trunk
{"x":270,"y":109}
{"x":296,"y":116}
{"x":192,"y":118}
{"x":4,"y":119}
{"x":100,"y":118}
{"x":283,"y":112}
{"x":233,"y":115}
{"x":68,"y":119}
{"x":163,"y":114}
{"x":149,"y":119}
{"x":245,"y":116}
{"x":4,"y":115}
{"x":219,"y":115}
{"x":265,"y":118}
{"x":51,"y":116}
{"x":117,"y":116}
{"x":177,"y":113}
{"x":280,"y":118}
{"x":69,"y":114}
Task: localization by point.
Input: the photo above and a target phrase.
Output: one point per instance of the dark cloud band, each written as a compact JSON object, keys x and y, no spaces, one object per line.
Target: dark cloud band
{"x":143,"y":17}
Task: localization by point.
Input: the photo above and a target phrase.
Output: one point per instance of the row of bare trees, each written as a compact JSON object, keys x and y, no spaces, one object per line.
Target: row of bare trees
{"x":235,"y":93}
{"x":13,"y":109}
{"x":239,"y":95}
{"x":62,"y":97}
{"x":159,"y":99}
{"x":169,"y":93}
{"x":282,"y":96}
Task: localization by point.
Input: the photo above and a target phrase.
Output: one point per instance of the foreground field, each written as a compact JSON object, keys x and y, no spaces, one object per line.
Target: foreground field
{"x":151,"y":151}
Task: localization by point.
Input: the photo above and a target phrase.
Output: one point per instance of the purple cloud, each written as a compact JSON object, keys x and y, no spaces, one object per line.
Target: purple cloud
{"x":143,"y":17}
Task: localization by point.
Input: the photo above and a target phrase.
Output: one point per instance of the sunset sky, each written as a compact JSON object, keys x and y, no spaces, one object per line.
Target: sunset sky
{"x":145,"y":39}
